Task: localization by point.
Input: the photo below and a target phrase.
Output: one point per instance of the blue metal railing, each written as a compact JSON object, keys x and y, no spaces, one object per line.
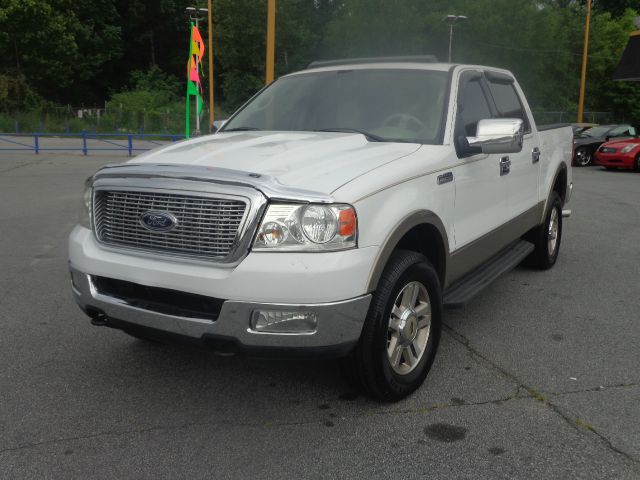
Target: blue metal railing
{"x":121,"y":142}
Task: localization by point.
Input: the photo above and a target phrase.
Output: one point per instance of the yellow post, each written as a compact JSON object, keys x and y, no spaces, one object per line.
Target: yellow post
{"x":271,"y":41}
{"x":583,"y":79}
{"x":210,"y":65}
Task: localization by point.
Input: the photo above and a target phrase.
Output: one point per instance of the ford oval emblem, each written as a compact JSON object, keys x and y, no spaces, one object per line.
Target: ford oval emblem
{"x":158,"y":221}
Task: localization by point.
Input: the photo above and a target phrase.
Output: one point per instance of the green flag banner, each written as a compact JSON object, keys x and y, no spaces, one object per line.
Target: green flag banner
{"x":194,"y":66}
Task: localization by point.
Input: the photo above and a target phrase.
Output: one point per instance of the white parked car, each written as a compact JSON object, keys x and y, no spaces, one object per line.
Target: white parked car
{"x":335,"y":214}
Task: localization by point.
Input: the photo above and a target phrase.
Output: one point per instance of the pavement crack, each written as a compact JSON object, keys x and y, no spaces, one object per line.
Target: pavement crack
{"x":364,"y":414}
{"x":600,"y":388}
{"x":122,"y":433}
{"x":577,"y":424}
{"x":16,"y":167}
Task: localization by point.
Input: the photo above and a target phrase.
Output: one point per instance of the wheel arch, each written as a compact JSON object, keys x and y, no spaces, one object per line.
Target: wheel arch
{"x":560,"y":185}
{"x":421,"y":232}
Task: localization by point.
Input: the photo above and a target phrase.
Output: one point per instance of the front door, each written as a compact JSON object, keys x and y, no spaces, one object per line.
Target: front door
{"x":481,"y":186}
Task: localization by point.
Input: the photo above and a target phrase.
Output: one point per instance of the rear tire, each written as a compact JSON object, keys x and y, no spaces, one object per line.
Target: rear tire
{"x":636,"y":165}
{"x":402,"y":330}
{"x":547,"y":237}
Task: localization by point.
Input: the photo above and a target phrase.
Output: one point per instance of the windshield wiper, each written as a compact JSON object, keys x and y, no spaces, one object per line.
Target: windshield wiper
{"x":241,"y":129}
{"x":370,"y":136}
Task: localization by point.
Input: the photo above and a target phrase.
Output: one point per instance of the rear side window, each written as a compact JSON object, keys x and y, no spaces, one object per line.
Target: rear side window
{"x":475,"y":107}
{"x":508,"y":103}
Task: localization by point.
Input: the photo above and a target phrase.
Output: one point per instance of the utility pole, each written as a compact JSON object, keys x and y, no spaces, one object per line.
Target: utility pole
{"x":583,"y":78}
{"x":452,"y":20}
{"x":210,"y":11}
{"x":271,"y":41}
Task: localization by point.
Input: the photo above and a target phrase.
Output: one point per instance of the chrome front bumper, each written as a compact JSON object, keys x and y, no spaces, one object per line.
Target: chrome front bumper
{"x":339,"y":324}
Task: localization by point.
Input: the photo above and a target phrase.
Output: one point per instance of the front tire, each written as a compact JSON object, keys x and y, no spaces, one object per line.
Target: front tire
{"x":547,"y":237}
{"x":402,"y":330}
{"x":583,"y":157}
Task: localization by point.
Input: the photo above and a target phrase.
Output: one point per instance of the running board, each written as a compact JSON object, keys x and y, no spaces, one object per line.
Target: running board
{"x":462,"y":291}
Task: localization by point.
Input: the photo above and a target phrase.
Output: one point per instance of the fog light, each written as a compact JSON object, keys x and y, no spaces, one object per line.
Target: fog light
{"x":270,"y":321}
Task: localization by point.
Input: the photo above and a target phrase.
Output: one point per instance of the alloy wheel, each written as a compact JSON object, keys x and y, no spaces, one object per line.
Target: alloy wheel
{"x":409,"y":328}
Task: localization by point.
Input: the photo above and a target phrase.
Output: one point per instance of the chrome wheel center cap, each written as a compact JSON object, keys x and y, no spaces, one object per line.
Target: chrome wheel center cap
{"x":408,"y":326}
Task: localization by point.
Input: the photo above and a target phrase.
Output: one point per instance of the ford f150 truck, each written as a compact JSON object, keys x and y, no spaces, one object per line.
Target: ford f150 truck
{"x":336,"y":213}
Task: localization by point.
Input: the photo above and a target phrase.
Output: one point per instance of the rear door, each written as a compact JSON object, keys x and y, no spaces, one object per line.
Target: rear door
{"x":525,"y":165}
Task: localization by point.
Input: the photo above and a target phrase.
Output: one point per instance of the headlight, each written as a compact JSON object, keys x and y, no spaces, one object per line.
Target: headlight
{"x":310,"y":228}
{"x":628,"y":148}
{"x":85,"y":217}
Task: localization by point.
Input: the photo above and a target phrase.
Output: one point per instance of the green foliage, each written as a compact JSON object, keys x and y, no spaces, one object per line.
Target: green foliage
{"x":155,"y":80}
{"x":57,"y":44}
{"x":16,"y":94}
{"x":609,"y":39}
{"x":133,"y":53}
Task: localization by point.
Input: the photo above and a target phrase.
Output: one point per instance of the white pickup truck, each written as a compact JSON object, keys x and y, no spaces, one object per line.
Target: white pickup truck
{"x":335,"y":214}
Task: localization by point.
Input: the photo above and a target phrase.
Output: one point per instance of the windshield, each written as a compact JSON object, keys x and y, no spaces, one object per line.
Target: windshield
{"x":386,"y":105}
{"x":597,"y":131}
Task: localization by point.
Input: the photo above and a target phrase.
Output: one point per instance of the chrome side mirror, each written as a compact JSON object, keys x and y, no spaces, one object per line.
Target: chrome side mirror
{"x":498,"y":135}
{"x":217,"y":125}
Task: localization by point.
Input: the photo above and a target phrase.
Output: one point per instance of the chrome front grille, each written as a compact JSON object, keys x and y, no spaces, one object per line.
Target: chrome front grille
{"x":206,"y":226}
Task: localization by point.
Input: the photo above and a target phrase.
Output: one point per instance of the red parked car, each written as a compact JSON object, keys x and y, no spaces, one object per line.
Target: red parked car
{"x":620,"y":154}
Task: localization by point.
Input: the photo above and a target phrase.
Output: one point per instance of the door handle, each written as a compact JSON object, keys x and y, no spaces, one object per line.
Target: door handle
{"x":535,"y":155}
{"x":505,"y":166}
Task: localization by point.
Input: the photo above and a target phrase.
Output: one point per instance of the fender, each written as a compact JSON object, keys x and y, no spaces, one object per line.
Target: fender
{"x":561,"y":168}
{"x":422,"y":217}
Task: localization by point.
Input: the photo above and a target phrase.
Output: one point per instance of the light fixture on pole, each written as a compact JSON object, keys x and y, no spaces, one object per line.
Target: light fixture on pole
{"x":452,"y":20}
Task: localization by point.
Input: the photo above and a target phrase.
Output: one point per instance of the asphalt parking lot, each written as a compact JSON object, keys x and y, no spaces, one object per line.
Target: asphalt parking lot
{"x":539,"y":377}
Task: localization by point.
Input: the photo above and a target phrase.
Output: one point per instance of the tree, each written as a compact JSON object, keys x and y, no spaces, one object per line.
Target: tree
{"x":55,"y":44}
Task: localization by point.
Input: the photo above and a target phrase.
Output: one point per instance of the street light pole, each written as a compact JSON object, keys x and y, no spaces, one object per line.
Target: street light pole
{"x":450,"y":40}
{"x":451,"y":20}
{"x":583,"y":78}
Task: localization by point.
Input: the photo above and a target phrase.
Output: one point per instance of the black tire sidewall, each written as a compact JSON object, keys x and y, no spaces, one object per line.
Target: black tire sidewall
{"x":391,"y":385}
{"x":555,"y":203}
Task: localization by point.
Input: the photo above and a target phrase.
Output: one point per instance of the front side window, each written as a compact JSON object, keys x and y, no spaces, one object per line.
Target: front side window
{"x":394,"y":105}
{"x":507,"y":102}
{"x":473,"y":107}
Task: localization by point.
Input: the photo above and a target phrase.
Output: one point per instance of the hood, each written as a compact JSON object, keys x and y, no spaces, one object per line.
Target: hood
{"x":315,"y":161}
{"x":588,"y":140}
{"x":622,"y":142}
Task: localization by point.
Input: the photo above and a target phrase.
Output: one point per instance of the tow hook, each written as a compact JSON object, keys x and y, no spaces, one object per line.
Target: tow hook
{"x":99,"y":320}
